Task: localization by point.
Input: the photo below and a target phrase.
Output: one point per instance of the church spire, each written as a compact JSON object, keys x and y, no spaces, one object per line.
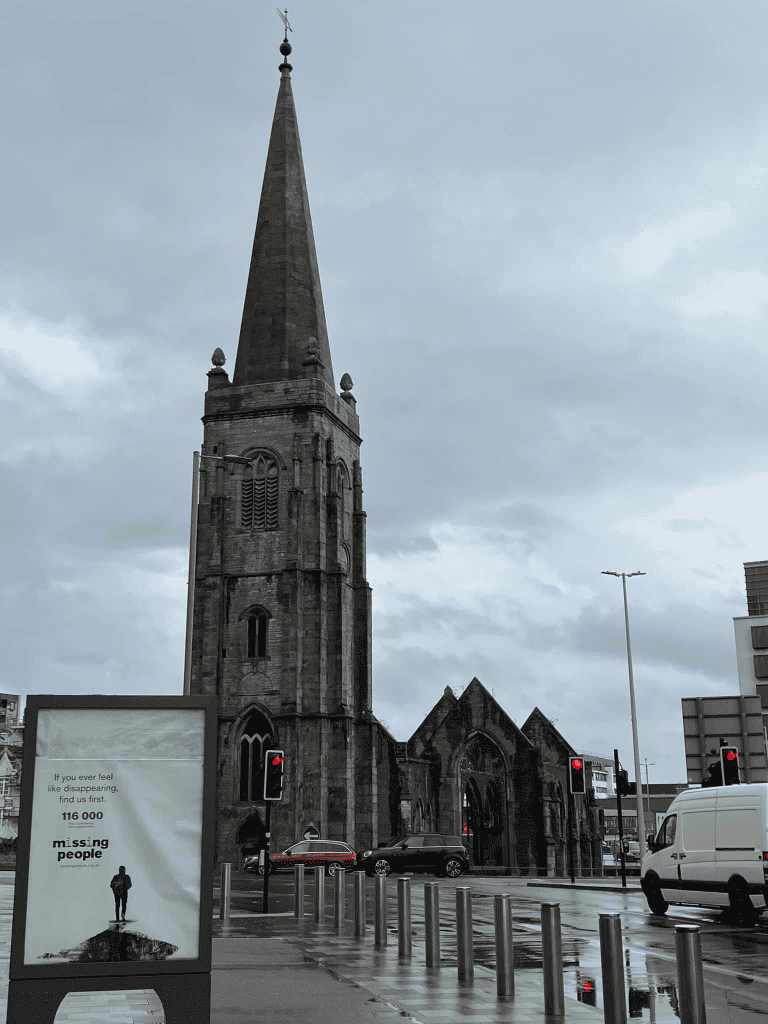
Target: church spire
{"x":283,"y":334}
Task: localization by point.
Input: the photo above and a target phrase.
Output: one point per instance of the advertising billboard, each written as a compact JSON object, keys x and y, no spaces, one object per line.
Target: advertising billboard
{"x":117,"y":817}
{"x":115,"y":865}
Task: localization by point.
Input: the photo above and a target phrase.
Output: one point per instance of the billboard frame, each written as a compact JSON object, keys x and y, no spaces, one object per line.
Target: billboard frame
{"x":35,"y":988}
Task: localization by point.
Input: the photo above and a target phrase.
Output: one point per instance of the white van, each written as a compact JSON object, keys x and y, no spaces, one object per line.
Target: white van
{"x":711,"y":851}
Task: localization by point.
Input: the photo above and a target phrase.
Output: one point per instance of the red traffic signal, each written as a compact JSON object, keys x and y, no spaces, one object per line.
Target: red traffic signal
{"x":576,"y":782}
{"x":274,"y":762}
{"x":729,"y":766}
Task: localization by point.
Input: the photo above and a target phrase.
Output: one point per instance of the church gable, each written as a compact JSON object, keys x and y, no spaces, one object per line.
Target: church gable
{"x":481,"y":710}
{"x":546,"y":738}
{"x":425,"y":732}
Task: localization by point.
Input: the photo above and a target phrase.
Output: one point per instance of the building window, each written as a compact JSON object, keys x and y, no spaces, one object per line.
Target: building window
{"x":255,"y":740}
{"x":260,"y":495}
{"x":759,"y":637}
{"x":761,"y":666}
{"x":257,"y":634}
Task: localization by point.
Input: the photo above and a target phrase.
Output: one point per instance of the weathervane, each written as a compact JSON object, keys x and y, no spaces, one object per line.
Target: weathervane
{"x":285,"y":21}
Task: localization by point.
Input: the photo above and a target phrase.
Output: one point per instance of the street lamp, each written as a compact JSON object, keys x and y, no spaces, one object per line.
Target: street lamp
{"x":196,"y":456}
{"x":638,"y":776}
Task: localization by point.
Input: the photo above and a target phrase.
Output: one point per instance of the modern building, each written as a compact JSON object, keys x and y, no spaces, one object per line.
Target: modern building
{"x":656,"y":800}
{"x":281,"y":630}
{"x":603,"y":780}
{"x":11,"y":744}
{"x":751,"y":633}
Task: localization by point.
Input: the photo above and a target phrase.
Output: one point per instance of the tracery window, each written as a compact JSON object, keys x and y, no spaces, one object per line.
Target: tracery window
{"x":255,"y":740}
{"x":260,"y":495}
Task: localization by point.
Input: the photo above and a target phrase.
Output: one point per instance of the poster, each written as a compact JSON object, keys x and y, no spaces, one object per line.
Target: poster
{"x":115,"y":789}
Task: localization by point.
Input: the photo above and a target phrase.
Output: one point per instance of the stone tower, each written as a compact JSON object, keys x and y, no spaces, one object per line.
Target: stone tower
{"x":282,"y":618}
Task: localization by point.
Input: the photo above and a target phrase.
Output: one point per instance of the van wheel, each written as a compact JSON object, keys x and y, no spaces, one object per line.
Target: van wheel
{"x":656,"y":902}
{"x":742,"y":905}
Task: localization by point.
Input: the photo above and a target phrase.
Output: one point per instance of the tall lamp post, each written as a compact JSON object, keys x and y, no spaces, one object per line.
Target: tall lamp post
{"x":196,"y":456}
{"x":635,"y":744}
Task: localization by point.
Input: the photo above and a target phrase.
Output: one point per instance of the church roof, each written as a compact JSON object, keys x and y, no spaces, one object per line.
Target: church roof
{"x":283,"y":335}
{"x":538,"y":721}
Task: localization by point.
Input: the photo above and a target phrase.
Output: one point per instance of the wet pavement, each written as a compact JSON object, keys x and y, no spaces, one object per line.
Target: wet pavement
{"x":735,"y":967}
{"x":303,"y":970}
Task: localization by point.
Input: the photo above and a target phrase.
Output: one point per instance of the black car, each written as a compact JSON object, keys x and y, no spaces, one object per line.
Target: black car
{"x":423,"y":851}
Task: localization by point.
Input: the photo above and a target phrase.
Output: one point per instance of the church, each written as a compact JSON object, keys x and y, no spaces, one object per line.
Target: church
{"x":282,"y":607}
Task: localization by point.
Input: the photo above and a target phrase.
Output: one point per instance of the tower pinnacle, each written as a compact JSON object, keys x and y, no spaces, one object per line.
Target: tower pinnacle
{"x":283,"y":312}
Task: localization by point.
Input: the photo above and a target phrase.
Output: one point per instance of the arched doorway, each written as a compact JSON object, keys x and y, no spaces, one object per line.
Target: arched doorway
{"x":474,"y":832}
{"x":251,"y":837}
{"x":494,"y":825}
{"x":483,"y":788}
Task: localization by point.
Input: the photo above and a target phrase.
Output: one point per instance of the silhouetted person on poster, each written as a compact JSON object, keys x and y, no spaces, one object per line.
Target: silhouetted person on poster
{"x":120,"y":885}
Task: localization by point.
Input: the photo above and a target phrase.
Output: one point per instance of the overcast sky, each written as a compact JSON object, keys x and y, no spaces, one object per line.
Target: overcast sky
{"x":541,"y":235}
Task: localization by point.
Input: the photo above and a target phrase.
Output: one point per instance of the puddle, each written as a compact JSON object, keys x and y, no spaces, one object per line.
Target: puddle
{"x":651,"y":982}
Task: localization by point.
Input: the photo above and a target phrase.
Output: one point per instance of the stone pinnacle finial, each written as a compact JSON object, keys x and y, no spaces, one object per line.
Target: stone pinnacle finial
{"x":218,"y":358}
{"x":346,"y":383}
{"x":285,"y":46}
{"x":312,"y":358}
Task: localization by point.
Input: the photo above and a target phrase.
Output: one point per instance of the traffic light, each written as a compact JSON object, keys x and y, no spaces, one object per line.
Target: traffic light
{"x":576,"y":775}
{"x":623,"y":786}
{"x":586,"y":991}
{"x":274,"y":763}
{"x":729,"y":766}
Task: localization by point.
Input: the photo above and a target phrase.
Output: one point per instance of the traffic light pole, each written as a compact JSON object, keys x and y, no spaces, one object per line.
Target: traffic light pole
{"x":621,"y":826}
{"x":265,"y":900}
{"x":572,"y":835}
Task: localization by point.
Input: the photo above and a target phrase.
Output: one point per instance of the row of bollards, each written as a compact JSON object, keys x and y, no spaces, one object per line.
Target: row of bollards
{"x":687,"y":941}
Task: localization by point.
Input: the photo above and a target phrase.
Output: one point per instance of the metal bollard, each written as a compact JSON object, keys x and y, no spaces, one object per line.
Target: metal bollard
{"x":690,"y":974}
{"x":339,"y":900}
{"x":432,"y":922}
{"x":319,"y":895}
{"x":380,"y":910}
{"x":465,"y":954}
{"x":225,"y":891}
{"x":612,"y":963}
{"x":360,"y":915}
{"x":403,"y":917}
{"x":505,"y":951}
{"x":552,"y":956}
{"x":298,"y":891}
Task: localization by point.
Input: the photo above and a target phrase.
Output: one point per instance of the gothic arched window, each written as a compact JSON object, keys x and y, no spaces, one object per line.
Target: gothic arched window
{"x":257,"y":624}
{"x":255,"y":740}
{"x":260,"y":495}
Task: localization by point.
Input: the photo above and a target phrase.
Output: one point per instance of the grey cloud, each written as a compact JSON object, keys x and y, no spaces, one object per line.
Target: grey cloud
{"x":502,"y":375}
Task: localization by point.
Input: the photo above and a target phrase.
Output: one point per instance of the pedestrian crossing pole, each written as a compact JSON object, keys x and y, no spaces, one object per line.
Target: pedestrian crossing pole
{"x":265,"y":898}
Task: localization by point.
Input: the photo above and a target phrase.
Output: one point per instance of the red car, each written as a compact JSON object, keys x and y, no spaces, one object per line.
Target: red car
{"x":311,"y":853}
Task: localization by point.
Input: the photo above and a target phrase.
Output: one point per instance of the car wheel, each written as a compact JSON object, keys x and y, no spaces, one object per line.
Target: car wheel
{"x":453,"y":867}
{"x":656,"y":902}
{"x":382,"y":867}
{"x":742,"y":905}
{"x":331,"y":869}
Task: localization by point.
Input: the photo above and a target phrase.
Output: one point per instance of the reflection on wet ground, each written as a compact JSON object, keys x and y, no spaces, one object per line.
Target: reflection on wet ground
{"x":651,"y":982}
{"x":649,"y":963}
